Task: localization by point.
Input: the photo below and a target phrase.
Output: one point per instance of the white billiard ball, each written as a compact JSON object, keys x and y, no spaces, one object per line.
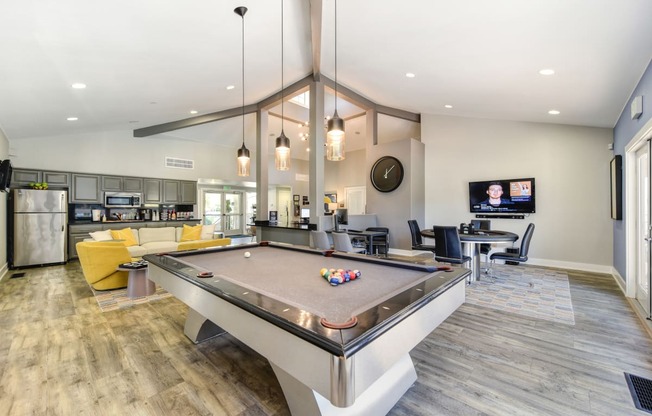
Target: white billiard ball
{"x":247,"y":254}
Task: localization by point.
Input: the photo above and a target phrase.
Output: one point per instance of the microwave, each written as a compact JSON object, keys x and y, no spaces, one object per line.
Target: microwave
{"x":122,"y":200}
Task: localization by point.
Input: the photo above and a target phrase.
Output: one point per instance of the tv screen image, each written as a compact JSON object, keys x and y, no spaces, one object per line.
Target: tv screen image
{"x":503,"y":196}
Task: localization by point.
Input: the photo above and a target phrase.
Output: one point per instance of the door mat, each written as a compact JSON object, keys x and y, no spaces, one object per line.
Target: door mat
{"x":111,"y":300}
{"x":641,"y":391}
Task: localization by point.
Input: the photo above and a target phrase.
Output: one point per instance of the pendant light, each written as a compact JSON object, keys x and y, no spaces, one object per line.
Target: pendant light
{"x":244,"y":161}
{"x":335,"y":132}
{"x":282,"y":152}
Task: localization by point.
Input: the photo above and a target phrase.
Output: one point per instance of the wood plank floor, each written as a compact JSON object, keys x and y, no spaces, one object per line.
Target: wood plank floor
{"x":59,"y":355}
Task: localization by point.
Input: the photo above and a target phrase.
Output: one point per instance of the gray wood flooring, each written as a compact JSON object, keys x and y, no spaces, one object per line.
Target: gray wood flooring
{"x":59,"y":355}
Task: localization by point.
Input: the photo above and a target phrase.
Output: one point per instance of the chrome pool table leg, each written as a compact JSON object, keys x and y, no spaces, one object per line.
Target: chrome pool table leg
{"x":199,"y":329}
{"x":377,"y":399}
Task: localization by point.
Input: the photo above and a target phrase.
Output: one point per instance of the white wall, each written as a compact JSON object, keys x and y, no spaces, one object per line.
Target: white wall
{"x":4,"y":154}
{"x":571,"y":167}
{"x":118,"y":152}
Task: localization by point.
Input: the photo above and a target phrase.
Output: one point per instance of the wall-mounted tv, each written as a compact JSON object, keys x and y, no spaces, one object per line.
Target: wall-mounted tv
{"x":5,"y":175}
{"x":503,"y":196}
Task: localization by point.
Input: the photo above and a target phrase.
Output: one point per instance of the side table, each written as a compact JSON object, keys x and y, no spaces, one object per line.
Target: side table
{"x":138,"y":284}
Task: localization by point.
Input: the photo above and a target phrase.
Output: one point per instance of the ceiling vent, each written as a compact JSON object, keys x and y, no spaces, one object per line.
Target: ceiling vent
{"x":176,"y":163}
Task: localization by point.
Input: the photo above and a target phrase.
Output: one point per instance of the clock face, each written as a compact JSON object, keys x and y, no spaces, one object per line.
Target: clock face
{"x":387,"y":174}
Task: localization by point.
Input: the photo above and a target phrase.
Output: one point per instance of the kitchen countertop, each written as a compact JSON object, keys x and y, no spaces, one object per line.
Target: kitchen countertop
{"x":87,"y":222}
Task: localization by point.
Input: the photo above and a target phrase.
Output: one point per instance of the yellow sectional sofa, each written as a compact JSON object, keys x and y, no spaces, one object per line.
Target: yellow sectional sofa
{"x":162,"y":239}
{"x":99,"y":261}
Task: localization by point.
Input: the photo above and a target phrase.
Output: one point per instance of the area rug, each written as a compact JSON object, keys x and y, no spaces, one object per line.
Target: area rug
{"x":111,"y":300}
{"x":524,"y":290}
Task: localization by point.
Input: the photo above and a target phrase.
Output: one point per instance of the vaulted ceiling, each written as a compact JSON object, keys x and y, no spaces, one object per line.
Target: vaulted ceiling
{"x":149,"y":62}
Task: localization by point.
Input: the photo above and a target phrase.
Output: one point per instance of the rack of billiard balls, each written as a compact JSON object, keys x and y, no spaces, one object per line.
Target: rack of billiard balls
{"x":339,"y":276}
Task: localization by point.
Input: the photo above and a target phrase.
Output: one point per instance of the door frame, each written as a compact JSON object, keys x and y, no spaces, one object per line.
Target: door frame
{"x":639,"y":139}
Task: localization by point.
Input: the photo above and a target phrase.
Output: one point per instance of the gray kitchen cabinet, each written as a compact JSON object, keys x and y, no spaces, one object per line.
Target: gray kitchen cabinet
{"x":77,"y":233}
{"x":132,"y":184}
{"x":56,"y":179}
{"x":23,"y":177}
{"x":122,"y":184}
{"x":188,"y":192}
{"x":179,"y":192}
{"x":112,"y":183}
{"x":152,"y":191}
{"x":171,"y":192}
{"x":85,"y":189}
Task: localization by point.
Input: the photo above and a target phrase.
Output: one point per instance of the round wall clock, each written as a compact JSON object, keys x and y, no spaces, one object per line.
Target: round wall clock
{"x":387,"y":174}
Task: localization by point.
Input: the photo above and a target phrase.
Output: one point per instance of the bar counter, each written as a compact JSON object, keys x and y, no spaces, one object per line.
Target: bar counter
{"x":292,"y":233}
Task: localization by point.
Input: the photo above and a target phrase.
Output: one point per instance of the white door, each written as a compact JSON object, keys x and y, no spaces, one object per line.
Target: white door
{"x":284,"y":205}
{"x":642,"y":248}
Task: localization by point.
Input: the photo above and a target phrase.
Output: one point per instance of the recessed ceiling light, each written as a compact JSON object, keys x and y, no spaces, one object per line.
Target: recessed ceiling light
{"x":448,"y":106}
{"x":553,"y":112}
{"x":230,"y":87}
{"x":72,"y":119}
{"x":193,"y":111}
{"x":307,"y":149}
{"x":410,"y":75}
{"x":79,"y":86}
{"x":547,"y":71}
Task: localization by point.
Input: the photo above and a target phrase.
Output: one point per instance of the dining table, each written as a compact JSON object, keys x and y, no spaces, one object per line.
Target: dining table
{"x":471,"y":245}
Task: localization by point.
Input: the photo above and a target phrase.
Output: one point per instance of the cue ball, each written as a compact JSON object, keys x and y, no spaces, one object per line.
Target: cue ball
{"x":247,"y":254}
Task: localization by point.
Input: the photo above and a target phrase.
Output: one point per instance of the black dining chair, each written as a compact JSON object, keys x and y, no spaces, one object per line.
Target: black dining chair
{"x":448,"y":247}
{"x":381,"y":244}
{"x":417,"y":241}
{"x":483,"y":225}
{"x":521,"y":256}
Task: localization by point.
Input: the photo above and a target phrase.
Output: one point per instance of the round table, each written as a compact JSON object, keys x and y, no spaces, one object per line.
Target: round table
{"x":471,"y":245}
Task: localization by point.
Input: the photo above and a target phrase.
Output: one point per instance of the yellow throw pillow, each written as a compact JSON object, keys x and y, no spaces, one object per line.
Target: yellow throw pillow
{"x":190,"y":233}
{"x":126,"y":235}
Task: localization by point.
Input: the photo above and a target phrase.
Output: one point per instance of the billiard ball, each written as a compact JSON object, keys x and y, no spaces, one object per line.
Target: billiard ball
{"x":247,"y":254}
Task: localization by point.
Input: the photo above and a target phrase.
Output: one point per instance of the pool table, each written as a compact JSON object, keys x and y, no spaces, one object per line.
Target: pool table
{"x":340,"y":349}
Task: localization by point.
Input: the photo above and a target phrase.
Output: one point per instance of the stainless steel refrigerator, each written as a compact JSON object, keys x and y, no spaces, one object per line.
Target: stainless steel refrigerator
{"x":38,"y":230}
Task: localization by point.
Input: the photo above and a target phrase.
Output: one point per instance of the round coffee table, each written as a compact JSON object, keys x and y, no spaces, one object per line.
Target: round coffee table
{"x":138,"y":284}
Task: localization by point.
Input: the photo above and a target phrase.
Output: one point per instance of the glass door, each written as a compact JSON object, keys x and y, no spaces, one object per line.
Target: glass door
{"x":225,"y":210}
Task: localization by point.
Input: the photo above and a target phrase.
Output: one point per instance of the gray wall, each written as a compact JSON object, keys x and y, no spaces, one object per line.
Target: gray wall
{"x":625,"y":130}
{"x":571,"y":167}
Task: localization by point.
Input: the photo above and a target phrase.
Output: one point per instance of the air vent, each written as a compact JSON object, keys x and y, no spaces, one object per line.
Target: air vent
{"x":173,"y":162}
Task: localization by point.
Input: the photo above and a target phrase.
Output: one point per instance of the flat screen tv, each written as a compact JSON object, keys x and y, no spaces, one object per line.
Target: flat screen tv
{"x":5,"y":175}
{"x":503,"y":196}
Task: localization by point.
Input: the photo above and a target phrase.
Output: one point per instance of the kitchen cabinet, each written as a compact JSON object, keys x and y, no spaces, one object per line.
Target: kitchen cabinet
{"x":85,"y":189}
{"x":152,"y":191}
{"x":112,"y":183}
{"x":132,"y":184}
{"x":23,"y":177}
{"x":179,"y":192}
{"x":171,"y":192}
{"x":122,"y":184}
{"x":188,"y":192}
{"x":77,"y":233}
{"x":56,"y":179}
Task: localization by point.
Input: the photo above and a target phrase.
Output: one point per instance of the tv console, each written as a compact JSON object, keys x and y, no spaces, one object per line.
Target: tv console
{"x":512,"y":217}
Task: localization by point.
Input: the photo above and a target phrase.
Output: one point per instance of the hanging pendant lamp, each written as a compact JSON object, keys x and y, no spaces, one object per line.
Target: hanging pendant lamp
{"x":282,"y":152}
{"x":335,"y":137}
{"x":244,"y":160}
